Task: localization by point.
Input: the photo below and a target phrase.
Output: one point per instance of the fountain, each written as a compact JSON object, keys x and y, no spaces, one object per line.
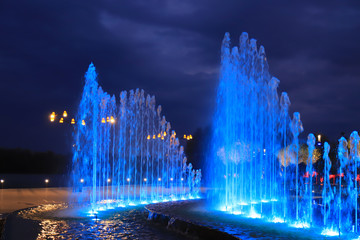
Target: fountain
{"x":126,"y":153}
{"x":254,"y":163}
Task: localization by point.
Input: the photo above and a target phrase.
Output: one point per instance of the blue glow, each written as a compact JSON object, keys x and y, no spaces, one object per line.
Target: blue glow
{"x":253,"y":163}
{"x":125,"y":153}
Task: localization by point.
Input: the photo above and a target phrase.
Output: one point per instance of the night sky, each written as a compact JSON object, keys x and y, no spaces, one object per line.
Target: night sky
{"x":171,"y":49}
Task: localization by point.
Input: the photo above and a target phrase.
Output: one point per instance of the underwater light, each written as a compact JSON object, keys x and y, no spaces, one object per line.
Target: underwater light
{"x":330,"y":232}
{"x":237,"y":212}
{"x":300,"y":225}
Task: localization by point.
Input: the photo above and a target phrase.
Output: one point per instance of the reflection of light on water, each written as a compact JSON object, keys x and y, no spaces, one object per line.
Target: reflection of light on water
{"x":265,"y":201}
{"x":132,"y":204}
{"x":329,"y":232}
{"x":223,"y":208}
{"x":144,"y":202}
{"x":300,"y":225}
{"x":274,"y":200}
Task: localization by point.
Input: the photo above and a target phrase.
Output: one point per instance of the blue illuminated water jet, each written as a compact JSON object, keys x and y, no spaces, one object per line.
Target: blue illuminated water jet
{"x":253,"y":164}
{"x":126,"y":153}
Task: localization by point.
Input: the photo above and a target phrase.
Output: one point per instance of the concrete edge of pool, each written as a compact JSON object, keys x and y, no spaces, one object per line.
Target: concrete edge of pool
{"x":184,"y":226}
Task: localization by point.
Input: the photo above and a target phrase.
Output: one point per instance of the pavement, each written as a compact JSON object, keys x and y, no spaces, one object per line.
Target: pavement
{"x":16,"y":199}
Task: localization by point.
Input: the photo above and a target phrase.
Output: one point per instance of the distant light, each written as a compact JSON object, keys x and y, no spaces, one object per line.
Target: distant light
{"x":190,"y":136}
{"x":148,"y":137}
{"x":154,"y":136}
{"x":184,"y":136}
{"x":61,"y":120}
{"x":164,"y":134}
{"x":319,"y":138}
{"x":145,"y":179}
{"x":109,"y":180}
{"x":52,"y":117}
{"x":171,"y":179}
{"x":159,"y":135}
{"x":81,"y":180}
{"x":65,"y":114}
{"x":159,"y":179}
{"x":107,"y":119}
{"x":103,"y":120}
{"x":182,"y":179}
{"x":128,"y":179}
{"x":46,"y":180}
{"x":83,"y":122}
{"x":2,"y":180}
{"x":73,"y":121}
{"x":112,"y":120}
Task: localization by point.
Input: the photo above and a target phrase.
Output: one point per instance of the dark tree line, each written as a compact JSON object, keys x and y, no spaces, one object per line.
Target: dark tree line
{"x":26,"y":161}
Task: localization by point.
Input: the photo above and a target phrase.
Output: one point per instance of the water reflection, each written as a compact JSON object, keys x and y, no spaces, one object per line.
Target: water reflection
{"x":128,"y":223}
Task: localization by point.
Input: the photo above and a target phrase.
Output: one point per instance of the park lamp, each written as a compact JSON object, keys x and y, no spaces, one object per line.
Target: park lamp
{"x":164,"y":134}
{"x":109,"y":180}
{"x":185,"y":137}
{"x":107,"y":119}
{"x":46,"y":181}
{"x":2,"y":181}
{"x":73,"y":121}
{"x":83,"y":122}
{"x":65,"y":114}
{"x":61,"y":120}
{"x":159,"y":135}
{"x":148,"y":137}
{"x":154,"y":136}
{"x":103,"y":120}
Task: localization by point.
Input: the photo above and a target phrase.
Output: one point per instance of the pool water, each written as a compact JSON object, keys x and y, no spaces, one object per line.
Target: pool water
{"x":45,"y":222}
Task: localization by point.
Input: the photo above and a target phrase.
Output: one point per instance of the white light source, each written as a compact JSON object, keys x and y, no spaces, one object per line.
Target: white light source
{"x":109,"y":180}
{"x":81,"y":180}
{"x":145,"y":179}
{"x":182,"y":179}
{"x":128,"y":179}
{"x":159,"y":179}
{"x":46,"y":180}
{"x":2,"y":180}
{"x":171,"y":179}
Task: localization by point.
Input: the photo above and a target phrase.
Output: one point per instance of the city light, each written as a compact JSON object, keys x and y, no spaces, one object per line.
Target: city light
{"x":112,"y":120}
{"x":128,"y":179}
{"x":103,"y":120}
{"x":159,"y":179}
{"x":61,"y":120}
{"x":46,"y":180}
{"x":319,"y":138}
{"x":148,"y":137}
{"x":52,"y":117}
{"x":2,"y":180}
{"x":73,"y":121}
{"x":171,"y":179}
{"x":83,"y":122}
{"x":109,"y":180}
{"x":145,"y":179}
{"x":82,"y":180}
{"x":65,"y":114}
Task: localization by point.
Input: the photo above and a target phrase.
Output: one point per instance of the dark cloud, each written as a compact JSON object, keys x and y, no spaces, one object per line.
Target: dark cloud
{"x":171,"y":49}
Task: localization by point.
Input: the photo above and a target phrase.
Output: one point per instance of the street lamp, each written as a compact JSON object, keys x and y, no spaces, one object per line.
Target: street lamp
{"x":46,"y":182}
{"x":2,"y":183}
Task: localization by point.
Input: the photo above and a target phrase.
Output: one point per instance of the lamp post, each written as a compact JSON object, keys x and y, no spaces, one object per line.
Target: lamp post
{"x":46,"y":182}
{"x":2,"y":183}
